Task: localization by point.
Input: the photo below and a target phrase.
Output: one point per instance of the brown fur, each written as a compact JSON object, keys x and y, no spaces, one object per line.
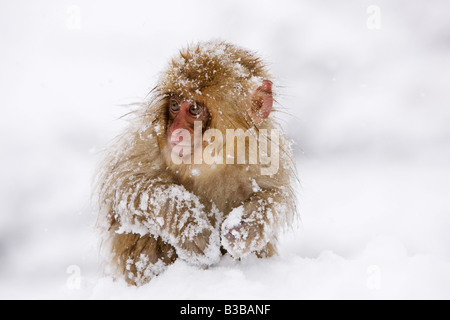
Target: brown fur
{"x":144,"y":211}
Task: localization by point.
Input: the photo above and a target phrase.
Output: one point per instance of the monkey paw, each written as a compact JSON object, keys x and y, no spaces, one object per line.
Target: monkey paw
{"x":242,"y":234}
{"x":200,"y":248}
{"x":234,"y":240}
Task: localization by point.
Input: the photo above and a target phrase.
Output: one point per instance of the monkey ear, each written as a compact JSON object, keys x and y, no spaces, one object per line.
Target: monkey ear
{"x":261,"y":102}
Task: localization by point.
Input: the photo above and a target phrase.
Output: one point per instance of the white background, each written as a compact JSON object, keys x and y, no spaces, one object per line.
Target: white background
{"x":366,"y":100}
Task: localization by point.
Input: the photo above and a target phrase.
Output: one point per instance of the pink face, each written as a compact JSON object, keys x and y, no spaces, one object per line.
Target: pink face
{"x":182,"y":115}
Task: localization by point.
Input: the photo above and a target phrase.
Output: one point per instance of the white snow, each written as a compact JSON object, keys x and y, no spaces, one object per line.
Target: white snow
{"x":369,"y":110}
{"x":234,"y":218}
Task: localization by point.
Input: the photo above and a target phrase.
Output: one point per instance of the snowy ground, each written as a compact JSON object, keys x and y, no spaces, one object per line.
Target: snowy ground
{"x":369,"y":108}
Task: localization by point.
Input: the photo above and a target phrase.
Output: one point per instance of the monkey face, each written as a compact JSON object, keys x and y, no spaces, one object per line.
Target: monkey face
{"x":183,"y":117}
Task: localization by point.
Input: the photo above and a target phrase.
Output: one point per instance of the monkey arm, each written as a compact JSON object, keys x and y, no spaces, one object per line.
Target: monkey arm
{"x":250,"y":227}
{"x":172,"y":213}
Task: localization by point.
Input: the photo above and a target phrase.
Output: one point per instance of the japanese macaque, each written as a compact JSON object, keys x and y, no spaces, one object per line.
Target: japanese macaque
{"x":160,"y":195}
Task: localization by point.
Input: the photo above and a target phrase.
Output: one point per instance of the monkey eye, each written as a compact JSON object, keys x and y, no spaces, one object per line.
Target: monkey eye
{"x":174,"y":106}
{"x":195,"y":110}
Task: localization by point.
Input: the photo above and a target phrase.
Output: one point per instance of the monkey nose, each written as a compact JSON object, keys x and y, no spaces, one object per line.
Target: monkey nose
{"x":179,"y":137}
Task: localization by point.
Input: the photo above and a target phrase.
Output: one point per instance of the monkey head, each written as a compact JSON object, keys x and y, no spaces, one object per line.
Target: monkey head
{"x":215,"y":84}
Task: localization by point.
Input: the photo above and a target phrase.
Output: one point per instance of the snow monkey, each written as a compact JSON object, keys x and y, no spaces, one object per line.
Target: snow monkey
{"x":161,"y":198}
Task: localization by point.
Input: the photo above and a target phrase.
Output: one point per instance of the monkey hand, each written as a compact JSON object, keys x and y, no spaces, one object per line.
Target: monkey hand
{"x":179,"y":218}
{"x":244,"y":233}
{"x":199,"y":243}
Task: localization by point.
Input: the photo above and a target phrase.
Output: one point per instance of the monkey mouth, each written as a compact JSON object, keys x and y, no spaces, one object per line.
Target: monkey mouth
{"x":182,"y":150}
{"x":180,"y":145}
